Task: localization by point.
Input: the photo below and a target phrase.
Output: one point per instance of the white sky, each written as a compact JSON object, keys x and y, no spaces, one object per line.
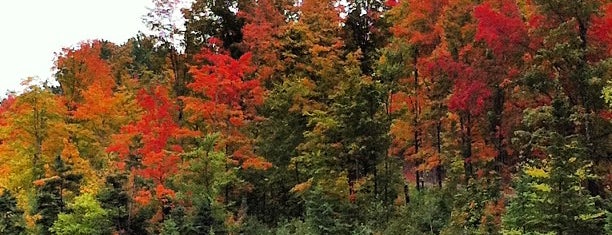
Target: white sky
{"x":32,"y":30}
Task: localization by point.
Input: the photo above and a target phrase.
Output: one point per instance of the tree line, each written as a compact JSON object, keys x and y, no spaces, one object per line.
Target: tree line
{"x":322,"y":117}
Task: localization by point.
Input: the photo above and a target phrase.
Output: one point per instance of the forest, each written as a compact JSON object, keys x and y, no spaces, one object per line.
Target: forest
{"x":321,"y":117}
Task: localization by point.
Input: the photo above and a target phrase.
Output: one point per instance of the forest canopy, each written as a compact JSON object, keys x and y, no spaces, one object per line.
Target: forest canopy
{"x":322,"y":117}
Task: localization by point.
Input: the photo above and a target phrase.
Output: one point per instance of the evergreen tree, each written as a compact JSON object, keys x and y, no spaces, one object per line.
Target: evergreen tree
{"x":214,"y":18}
{"x":53,"y":192}
{"x":366,"y":30}
{"x":550,"y":196}
{"x":11,"y":217}
{"x":114,"y":200}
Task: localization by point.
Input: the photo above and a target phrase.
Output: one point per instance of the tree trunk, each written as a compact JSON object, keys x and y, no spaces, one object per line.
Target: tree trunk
{"x":439,"y":168}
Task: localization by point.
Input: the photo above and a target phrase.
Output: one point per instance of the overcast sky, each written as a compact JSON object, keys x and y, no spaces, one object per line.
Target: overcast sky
{"x":32,"y":30}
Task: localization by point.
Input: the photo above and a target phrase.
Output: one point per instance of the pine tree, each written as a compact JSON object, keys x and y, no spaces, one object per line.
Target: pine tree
{"x":53,"y":193}
{"x":11,"y":216}
{"x":550,"y":196}
{"x":114,"y":199}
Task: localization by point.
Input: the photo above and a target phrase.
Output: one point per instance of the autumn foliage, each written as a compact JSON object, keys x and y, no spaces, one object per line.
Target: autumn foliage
{"x":322,"y":117}
{"x":231,"y":96}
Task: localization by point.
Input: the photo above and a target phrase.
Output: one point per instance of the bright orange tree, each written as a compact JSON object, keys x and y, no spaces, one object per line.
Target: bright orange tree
{"x":82,"y":70}
{"x":97,"y":106}
{"x":416,"y":32}
{"x":228,"y":96}
{"x":147,"y":147}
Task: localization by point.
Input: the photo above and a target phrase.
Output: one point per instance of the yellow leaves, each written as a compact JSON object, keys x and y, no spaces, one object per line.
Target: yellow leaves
{"x":32,"y":133}
{"x":541,"y":187}
{"x":400,"y":129}
{"x":582,"y":173}
{"x":536,"y":173}
{"x":70,"y":154}
{"x":586,"y":217}
{"x":302,"y":187}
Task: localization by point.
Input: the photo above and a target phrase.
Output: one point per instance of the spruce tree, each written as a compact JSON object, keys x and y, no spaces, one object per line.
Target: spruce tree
{"x":11,"y":217}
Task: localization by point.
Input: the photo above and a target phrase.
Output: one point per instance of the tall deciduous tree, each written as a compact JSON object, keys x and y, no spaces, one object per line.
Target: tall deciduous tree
{"x":230,"y":96}
{"x":416,"y":30}
{"x":32,"y":134}
{"x":264,"y":23}
{"x":148,"y":147}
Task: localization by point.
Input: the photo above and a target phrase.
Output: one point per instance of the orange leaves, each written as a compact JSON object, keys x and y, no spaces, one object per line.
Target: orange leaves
{"x":256,"y":163}
{"x":483,"y":152}
{"x":249,"y":160}
{"x":263,"y":24}
{"x":81,"y":68}
{"x":120,"y":141}
{"x":231,"y":100}
{"x":159,"y":165}
{"x":418,"y":24}
{"x":302,"y":187}
{"x":143,"y":197}
{"x":155,"y":130}
{"x":236,"y":121}
{"x":97,"y":101}
{"x":5,"y":106}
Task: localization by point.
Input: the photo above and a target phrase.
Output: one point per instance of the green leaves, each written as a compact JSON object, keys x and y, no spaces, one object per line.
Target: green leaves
{"x":549,"y":196}
{"x":86,"y":217}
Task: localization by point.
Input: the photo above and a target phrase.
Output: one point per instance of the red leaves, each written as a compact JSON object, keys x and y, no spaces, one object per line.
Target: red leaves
{"x":469,"y":96}
{"x":601,"y":28}
{"x":503,"y":29}
{"x":470,"y":91}
{"x":222,"y":80}
{"x":230,"y":95}
{"x":229,"y":103}
{"x":156,"y":130}
{"x":5,"y":105}
{"x":391,"y":3}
